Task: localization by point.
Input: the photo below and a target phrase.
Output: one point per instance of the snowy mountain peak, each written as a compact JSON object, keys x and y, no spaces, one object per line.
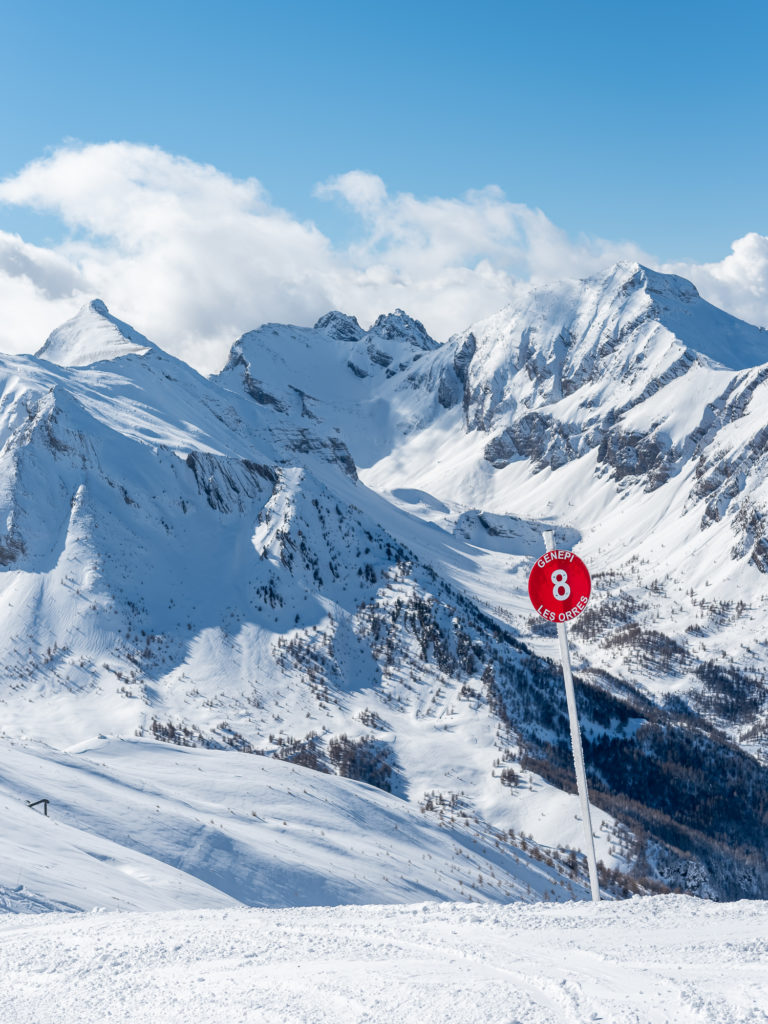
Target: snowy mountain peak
{"x":632,"y":291}
{"x":340,"y":325}
{"x":92,"y":336}
{"x":398,"y":325}
{"x":666,"y":285}
{"x":626,"y":276}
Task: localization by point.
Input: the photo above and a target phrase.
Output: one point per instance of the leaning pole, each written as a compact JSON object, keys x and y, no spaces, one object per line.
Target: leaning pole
{"x":559,"y":587}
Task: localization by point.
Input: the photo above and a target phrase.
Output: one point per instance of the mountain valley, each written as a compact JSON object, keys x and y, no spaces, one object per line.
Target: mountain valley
{"x":311,"y":568}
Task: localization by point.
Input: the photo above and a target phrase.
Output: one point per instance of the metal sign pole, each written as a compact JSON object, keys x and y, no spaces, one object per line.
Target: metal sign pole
{"x":578,"y":754}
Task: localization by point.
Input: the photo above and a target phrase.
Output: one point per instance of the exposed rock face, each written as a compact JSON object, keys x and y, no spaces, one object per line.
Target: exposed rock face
{"x":340,"y":326}
{"x":401,"y":327}
{"x":539,"y":438}
{"x":634,"y":454}
{"x":330,"y":449}
{"x":452,"y":388}
{"x":259,"y":394}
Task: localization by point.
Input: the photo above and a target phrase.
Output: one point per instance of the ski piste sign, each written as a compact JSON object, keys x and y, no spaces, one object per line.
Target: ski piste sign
{"x":559,"y":586}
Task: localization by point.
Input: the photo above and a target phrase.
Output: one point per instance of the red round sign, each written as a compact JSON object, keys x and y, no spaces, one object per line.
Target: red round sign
{"x":559,"y":586}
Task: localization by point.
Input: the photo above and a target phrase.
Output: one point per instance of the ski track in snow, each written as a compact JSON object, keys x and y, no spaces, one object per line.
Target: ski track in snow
{"x":647,"y":960}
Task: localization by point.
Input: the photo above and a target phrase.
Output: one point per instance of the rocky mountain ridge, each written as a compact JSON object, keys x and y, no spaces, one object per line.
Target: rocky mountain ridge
{"x":320,"y":555}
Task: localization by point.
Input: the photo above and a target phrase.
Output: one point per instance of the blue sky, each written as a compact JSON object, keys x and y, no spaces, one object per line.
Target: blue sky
{"x":643,"y":121}
{"x":636,"y":123}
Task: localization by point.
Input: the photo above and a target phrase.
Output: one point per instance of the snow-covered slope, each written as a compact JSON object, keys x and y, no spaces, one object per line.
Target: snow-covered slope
{"x":319,"y":558}
{"x":653,"y":960}
{"x":331,"y":382}
{"x":137,"y":825}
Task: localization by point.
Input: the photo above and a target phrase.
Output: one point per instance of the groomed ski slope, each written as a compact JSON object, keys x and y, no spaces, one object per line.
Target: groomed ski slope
{"x":671,"y":959}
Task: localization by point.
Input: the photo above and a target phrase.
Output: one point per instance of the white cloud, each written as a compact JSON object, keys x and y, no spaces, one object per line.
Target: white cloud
{"x":365,"y":192}
{"x":419,"y":238}
{"x":37,"y":287}
{"x":193,"y":257}
{"x":184,"y":252}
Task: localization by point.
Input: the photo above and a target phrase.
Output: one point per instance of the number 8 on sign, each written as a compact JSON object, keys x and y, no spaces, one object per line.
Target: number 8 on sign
{"x":561,"y":590}
{"x":559,"y":586}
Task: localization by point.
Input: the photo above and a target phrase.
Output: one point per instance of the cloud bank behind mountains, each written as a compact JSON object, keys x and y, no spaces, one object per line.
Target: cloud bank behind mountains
{"x":193,"y":257}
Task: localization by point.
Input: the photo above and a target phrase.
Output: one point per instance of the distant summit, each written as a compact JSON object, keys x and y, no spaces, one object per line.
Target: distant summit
{"x":398,"y":325}
{"x":676,"y":304}
{"x":340,"y":326}
{"x":93,"y":336}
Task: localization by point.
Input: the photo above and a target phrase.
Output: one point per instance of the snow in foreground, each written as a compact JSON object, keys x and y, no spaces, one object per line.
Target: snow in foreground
{"x":646,"y":960}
